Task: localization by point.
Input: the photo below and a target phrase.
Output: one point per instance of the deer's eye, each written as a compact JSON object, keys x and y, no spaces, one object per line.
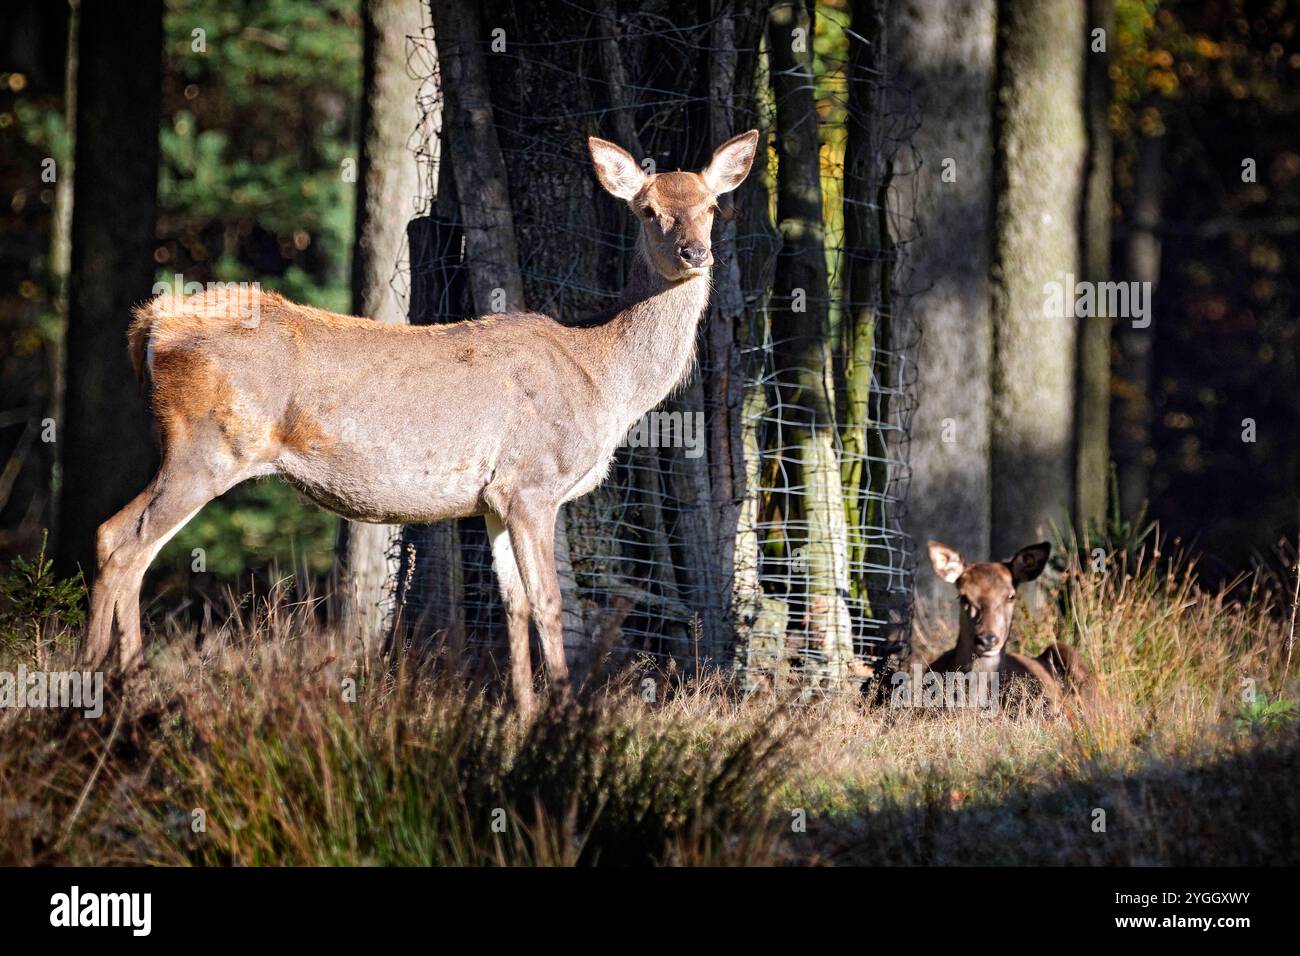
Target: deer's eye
{"x":1011,"y":596}
{"x":647,"y":212}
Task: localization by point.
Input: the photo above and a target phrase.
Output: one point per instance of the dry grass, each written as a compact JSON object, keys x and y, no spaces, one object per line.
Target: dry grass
{"x":262,"y":733}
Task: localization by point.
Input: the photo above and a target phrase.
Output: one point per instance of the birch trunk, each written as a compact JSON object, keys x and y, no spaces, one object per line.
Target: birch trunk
{"x":388,"y":188}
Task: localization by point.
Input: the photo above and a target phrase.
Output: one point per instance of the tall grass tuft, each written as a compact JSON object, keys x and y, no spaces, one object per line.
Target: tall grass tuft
{"x":275,"y":741}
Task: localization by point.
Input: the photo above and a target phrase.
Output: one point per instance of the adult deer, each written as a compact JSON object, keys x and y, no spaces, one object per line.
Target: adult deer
{"x":987,"y":592}
{"x":507,"y":416}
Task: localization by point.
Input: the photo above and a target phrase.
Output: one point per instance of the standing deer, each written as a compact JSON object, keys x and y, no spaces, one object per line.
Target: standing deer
{"x":987,"y":592}
{"x":506,"y":416}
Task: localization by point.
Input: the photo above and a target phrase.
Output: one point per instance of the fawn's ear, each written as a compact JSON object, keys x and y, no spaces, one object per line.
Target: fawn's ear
{"x":730,"y":163}
{"x":946,"y":562}
{"x":616,"y":169}
{"x":1029,"y":562}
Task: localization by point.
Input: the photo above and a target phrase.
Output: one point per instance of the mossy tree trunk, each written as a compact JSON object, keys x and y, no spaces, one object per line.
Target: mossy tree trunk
{"x":801,"y":337}
{"x":865,"y":331}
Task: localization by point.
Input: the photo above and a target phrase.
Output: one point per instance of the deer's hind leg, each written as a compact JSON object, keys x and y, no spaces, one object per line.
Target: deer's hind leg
{"x":532,"y":537}
{"x":126,"y":545}
{"x":1070,"y":670}
{"x":1065,"y":664}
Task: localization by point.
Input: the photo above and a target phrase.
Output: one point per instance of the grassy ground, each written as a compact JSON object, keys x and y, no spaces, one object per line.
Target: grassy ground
{"x":272,"y":746}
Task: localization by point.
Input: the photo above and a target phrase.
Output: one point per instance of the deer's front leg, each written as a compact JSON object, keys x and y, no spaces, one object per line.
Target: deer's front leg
{"x":517,"y":614}
{"x":532,"y":536}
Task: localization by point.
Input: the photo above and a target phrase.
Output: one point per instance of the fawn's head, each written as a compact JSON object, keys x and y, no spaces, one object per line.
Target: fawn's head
{"x":676,"y":209}
{"x":987,"y":590}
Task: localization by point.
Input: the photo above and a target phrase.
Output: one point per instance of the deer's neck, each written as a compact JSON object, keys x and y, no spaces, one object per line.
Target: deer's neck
{"x":652,"y":347}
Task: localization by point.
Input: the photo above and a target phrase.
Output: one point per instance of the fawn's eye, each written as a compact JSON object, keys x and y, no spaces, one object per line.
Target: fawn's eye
{"x":1011,"y":596}
{"x":647,"y":212}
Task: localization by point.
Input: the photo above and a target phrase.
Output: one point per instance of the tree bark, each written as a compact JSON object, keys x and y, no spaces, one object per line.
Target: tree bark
{"x":761,"y":620}
{"x":61,"y":249}
{"x":731,"y":96}
{"x":491,"y":251}
{"x":865,"y":314}
{"x":1093,"y":404}
{"x":800,"y":332}
{"x":108,"y":453}
{"x":431,"y":573}
{"x":1133,"y":410}
{"x":388,"y":190}
{"x":1039,"y":173}
{"x":943,"y":55}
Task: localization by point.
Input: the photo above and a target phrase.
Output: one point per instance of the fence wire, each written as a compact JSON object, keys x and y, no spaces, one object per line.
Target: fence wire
{"x":753,"y":521}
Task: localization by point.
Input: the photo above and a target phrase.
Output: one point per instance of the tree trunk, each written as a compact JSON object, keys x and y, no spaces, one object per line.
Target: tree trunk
{"x":388,"y":189}
{"x":731,"y":96}
{"x":1093,"y":404}
{"x":61,"y":250}
{"x":761,"y":620}
{"x":431,"y":572}
{"x":865,"y":335}
{"x":1040,"y":151}
{"x":108,"y":452}
{"x":800,"y":331}
{"x":491,"y":252}
{"x":943,"y":55}
{"x":1133,"y":410}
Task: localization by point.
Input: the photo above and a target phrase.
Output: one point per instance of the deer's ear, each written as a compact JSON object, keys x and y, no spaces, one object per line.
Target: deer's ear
{"x":1029,"y":562}
{"x":946,"y":562}
{"x":730,"y":163}
{"x":616,"y":169}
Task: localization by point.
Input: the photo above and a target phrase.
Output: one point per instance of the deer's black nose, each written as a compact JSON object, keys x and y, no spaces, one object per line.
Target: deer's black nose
{"x":985,"y":642}
{"x":693,"y":253}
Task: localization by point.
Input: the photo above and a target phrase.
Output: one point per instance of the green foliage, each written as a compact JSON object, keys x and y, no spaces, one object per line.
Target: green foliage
{"x":255,"y":131}
{"x":262,"y":522}
{"x":1262,"y":714}
{"x":36,"y":601}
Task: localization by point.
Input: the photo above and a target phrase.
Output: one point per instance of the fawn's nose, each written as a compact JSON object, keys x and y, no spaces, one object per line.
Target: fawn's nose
{"x":693,"y":254}
{"x":985,"y":641}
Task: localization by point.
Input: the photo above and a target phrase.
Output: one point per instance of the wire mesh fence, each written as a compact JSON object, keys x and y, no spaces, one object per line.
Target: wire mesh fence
{"x":753,"y":520}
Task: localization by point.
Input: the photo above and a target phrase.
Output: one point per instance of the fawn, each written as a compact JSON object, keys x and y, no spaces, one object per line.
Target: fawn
{"x":987,"y":592}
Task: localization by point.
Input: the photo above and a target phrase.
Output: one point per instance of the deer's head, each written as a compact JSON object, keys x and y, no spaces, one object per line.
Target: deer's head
{"x":987,"y":590}
{"x":676,"y":209}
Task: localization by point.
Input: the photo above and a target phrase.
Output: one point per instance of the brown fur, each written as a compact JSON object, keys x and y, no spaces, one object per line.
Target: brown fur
{"x":987,"y":591}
